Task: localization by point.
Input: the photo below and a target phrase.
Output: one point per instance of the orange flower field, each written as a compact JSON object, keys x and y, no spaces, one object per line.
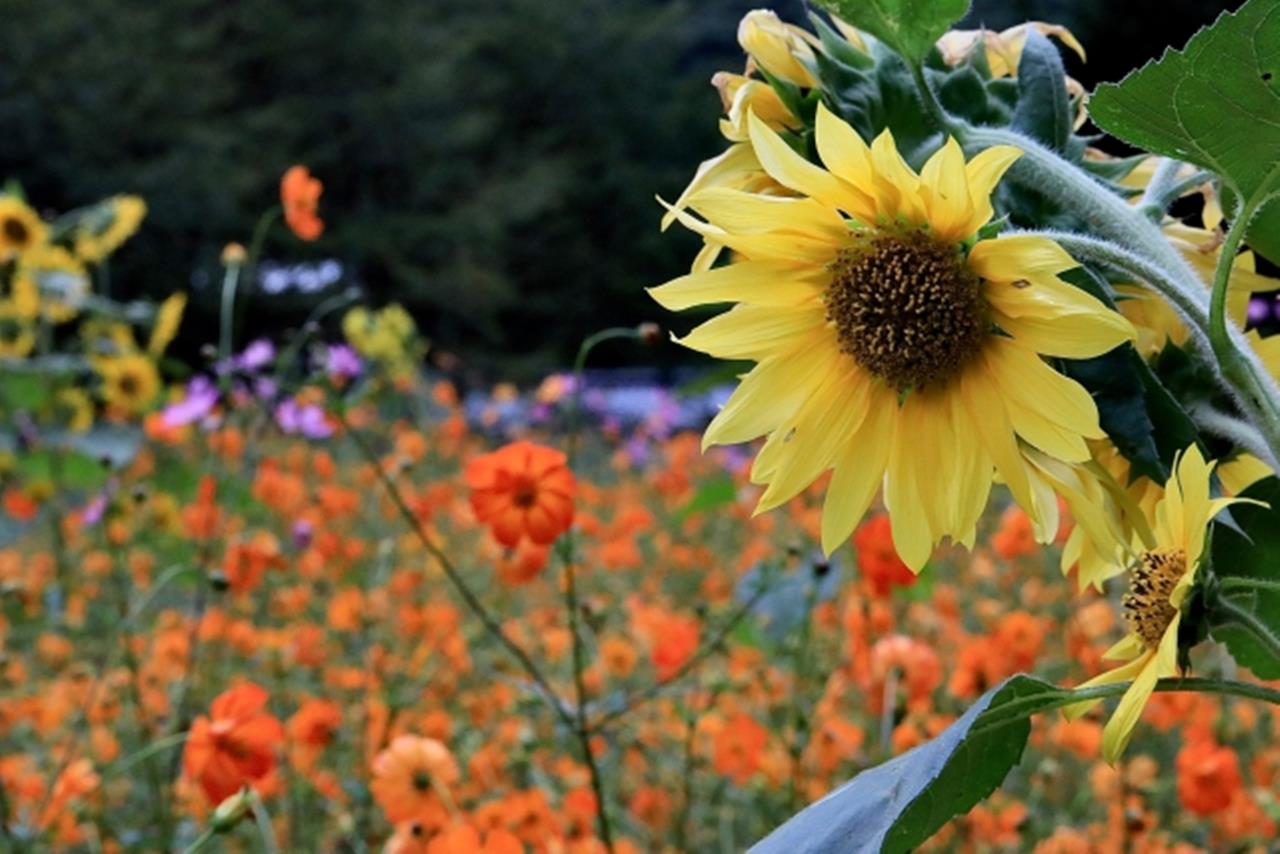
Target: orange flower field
{"x":272,"y":612}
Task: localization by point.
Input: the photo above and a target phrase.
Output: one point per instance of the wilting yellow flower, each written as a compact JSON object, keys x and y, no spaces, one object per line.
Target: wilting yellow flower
{"x":168,"y":319}
{"x":1003,"y":49}
{"x":21,"y":228}
{"x":108,"y":227}
{"x":1159,"y":583}
{"x":17,"y":332}
{"x":56,"y":279}
{"x":1110,"y":509}
{"x":890,"y":347}
{"x":781,"y":50}
{"x":130,"y":382}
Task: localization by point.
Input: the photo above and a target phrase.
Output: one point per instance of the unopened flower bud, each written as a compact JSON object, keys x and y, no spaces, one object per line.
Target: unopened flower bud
{"x":229,"y":813}
{"x":234,"y":253}
{"x":650,"y":334}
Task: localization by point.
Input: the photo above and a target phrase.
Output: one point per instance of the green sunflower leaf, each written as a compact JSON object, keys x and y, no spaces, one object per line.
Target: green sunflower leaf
{"x":1243,"y":598}
{"x":901,"y":803}
{"x":908,"y":26}
{"x":1215,"y":103}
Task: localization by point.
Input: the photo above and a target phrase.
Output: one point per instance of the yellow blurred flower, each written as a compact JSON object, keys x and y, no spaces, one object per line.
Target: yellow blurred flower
{"x":74,"y":409}
{"x":112,"y":223}
{"x":130,"y":382}
{"x":388,"y":336}
{"x":17,"y":332}
{"x":56,"y":278}
{"x":21,"y":228}
{"x":168,"y":319}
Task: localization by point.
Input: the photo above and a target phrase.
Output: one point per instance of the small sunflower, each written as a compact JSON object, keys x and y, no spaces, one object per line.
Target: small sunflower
{"x":21,"y":228}
{"x":893,"y":344}
{"x":130,"y":382}
{"x":165,"y":328}
{"x":1159,"y":582}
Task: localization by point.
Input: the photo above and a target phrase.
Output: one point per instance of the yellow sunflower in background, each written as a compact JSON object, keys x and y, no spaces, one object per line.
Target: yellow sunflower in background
{"x":1160,"y":580}
{"x":130,"y":382}
{"x":21,"y":228}
{"x":890,"y":346}
{"x":55,"y":279}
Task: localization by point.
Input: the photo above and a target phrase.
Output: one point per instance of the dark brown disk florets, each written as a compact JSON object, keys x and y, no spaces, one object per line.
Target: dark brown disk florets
{"x":1147,"y":609}
{"x":906,"y":308}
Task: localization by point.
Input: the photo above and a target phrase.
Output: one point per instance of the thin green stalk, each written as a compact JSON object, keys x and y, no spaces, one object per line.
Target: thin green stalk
{"x":227,"y":313}
{"x":1155,"y":198}
{"x":158,"y":746}
{"x":1250,"y":584}
{"x":1016,"y":710}
{"x":459,"y":584}
{"x":200,"y":841}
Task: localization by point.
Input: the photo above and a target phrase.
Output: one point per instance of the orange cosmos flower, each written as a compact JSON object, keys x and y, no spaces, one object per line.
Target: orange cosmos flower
{"x":739,"y":745}
{"x":1208,"y":776}
{"x":878,"y":561}
{"x":522,"y":564}
{"x":522,"y":490}
{"x":235,"y":745}
{"x":675,"y":643}
{"x":300,"y":197}
{"x":315,"y":723}
{"x":408,"y":777}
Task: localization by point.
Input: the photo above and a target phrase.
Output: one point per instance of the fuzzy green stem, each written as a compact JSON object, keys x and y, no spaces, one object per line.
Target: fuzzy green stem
{"x":1233,"y":354}
{"x":1257,"y":400}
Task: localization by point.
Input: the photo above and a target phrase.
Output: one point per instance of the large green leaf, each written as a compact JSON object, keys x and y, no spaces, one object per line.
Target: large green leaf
{"x":1243,"y":598}
{"x":898,"y":805}
{"x":1215,"y":103}
{"x":908,"y":26}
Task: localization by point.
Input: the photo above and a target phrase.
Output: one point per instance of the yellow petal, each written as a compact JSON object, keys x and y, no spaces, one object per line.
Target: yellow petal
{"x":794,"y":172}
{"x":1116,"y":734}
{"x":848,"y":158}
{"x":767,"y":396}
{"x":898,"y":186}
{"x":1069,"y":335}
{"x":752,"y":213}
{"x":764,"y":283}
{"x":723,"y":170}
{"x":988,"y":415}
{"x":859,"y":471}
{"x":945,"y":184}
{"x":984,"y":172}
{"x":1017,"y":257}
{"x":1123,"y":673}
{"x":754,"y":332}
{"x":913,"y":463}
{"x":1050,"y":411}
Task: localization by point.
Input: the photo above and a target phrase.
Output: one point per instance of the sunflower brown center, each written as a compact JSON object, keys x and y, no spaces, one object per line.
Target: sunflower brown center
{"x":15,"y":231}
{"x":906,"y":308}
{"x":1147,"y":609}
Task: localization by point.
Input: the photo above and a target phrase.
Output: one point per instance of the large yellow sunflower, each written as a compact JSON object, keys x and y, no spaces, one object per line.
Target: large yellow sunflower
{"x":890,"y":345}
{"x":1160,"y":580}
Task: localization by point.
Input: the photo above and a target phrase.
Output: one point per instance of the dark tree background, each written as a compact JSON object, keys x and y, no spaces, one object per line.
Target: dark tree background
{"x":491,"y":164}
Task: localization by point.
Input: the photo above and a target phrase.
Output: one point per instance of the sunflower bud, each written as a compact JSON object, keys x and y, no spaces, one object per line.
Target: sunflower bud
{"x":780,"y":50}
{"x":233,"y":253}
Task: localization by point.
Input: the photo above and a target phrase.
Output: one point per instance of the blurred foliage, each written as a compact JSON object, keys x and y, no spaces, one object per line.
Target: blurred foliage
{"x":490,"y":164}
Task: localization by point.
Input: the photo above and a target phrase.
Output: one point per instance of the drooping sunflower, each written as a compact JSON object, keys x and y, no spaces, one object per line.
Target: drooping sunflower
{"x":893,"y":344}
{"x":1159,"y":582}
